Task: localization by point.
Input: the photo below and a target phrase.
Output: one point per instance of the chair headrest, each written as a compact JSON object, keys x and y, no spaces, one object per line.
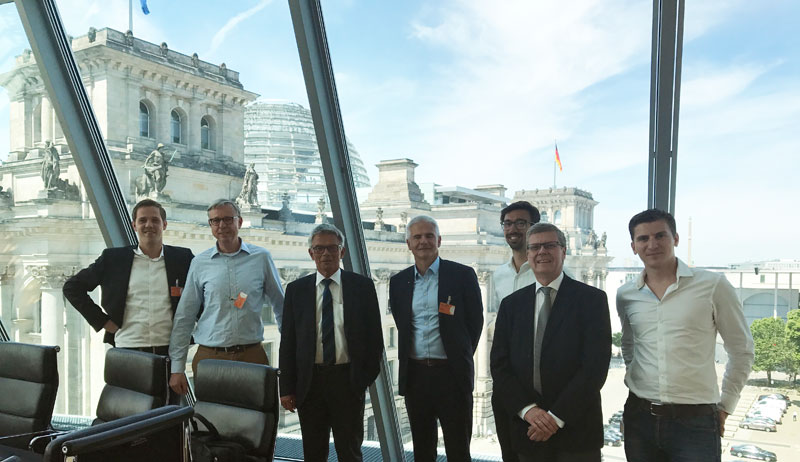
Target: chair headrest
{"x":234,"y":383}
{"x":136,"y":370}
{"x":31,"y":363}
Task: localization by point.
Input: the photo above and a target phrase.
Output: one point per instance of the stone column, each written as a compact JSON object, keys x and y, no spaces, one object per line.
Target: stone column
{"x":162,"y":119}
{"x":51,"y":279}
{"x":482,"y":396}
{"x":7,"y":312}
{"x":46,"y":122}
{"x":381,"y":278}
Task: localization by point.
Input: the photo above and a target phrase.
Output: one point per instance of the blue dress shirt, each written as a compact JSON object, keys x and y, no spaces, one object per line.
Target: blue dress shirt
{"x":214,"y":282}
{"x":425,"y":315}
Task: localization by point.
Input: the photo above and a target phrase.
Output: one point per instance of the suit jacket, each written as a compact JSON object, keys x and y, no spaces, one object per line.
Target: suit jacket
{"x":112,"y":272}
{"x":362,"y":328}
{"x":460,"y":332}
{"x":576,"y":350}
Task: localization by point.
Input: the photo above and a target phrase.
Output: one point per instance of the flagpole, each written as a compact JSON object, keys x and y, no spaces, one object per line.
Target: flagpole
{"x":130,"y":15}
{"x":554,"y":166}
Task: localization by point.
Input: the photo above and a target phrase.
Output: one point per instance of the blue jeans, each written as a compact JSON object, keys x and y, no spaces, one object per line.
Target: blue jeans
{"x":650,"y":438}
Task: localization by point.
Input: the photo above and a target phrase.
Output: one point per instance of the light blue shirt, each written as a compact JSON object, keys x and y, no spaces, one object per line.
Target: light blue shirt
{"x":214,"y":282}
{"x":427,"y":342}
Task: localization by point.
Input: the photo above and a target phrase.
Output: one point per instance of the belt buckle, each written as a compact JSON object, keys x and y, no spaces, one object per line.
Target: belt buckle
{"x":656,"y":409}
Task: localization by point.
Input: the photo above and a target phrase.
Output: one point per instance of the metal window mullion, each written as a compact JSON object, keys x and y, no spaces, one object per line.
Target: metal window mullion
{"x":323,"y":100}
{"x":61,"y":77}
{"x":665,"y":81}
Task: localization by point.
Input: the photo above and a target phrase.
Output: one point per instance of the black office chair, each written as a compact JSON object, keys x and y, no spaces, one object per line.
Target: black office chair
{"x":135,"y":382}
{"x":156,"y":435}
{"x":241,"y":401}
{"x":28,"y":387}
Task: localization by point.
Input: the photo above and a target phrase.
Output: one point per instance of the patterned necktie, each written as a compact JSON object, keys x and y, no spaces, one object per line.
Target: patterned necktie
{"x":328,"y":339}
{"x":541,"y":325}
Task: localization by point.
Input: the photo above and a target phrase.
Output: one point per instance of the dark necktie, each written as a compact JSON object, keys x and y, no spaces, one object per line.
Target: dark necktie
{"x":328,"y":338}
{"x":541,"y":325}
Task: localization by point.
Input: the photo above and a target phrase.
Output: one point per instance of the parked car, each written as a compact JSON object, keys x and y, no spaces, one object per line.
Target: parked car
{"x":612,"y":437}
{"x":773,"y":414}
{"x":771,"y":402}
{"x":759,"y":424}
{"x":752,"y":451}
{"x":780,"y":396}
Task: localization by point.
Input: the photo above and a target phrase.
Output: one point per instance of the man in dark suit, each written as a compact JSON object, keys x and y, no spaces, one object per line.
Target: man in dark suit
{"x":550,"y":355}
{"x":331,"y":346}
{"x":141,"y":285}
{"x":438,"y":310}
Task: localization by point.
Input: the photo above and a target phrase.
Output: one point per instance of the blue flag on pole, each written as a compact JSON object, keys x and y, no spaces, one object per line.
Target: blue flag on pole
{"x":144,"y":7}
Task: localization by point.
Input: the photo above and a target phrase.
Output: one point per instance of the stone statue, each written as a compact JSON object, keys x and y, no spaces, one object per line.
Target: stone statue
{"x":249,"y":194}
{"x":603,"y":240}
{"x":592,"y":240}
{"x":51,"y":166}
{"x":403,"y":221}
{"x":320,"y":211}
{"x":285,"y":213}
{"x":155,"y":168}
{"x":378,"y":219}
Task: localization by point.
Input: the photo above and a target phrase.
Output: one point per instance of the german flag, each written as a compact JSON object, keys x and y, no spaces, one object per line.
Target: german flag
{"x":558,"y":160}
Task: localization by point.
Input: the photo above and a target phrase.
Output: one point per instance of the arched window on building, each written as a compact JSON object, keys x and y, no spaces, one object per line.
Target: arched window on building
{"x":557,"y":217}
{"x":206,"y":134}
{"x":543,"y":218}
{"x":176,"y":133}
{"x":144,"y":120}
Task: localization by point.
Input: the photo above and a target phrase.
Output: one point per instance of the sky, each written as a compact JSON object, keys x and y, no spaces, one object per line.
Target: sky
{"x":478,"y":92}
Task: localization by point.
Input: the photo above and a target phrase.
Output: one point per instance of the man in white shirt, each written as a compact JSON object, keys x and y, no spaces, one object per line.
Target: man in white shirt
{"x":141,"y":286}
{"x":671,"y":315}
{"x":515,"y":220}
{"x":331,"y":348}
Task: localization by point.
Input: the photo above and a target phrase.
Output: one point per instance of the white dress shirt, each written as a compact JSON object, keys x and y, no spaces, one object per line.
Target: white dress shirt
{"x":554,"y":285}
{"x":148,"y":312}
{"x":338,"y":318}
{"x":668,"y":344}
{"x":508,"y":280}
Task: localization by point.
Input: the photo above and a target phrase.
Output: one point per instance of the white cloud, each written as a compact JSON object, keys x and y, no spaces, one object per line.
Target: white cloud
{"x":718,"y":84}
{"x":222,"y":33}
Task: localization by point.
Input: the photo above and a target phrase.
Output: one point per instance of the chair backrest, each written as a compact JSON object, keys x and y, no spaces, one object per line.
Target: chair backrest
{"x":241,"y":401}
{"x":28,"y":387}
{"x":135,"y":382}
{"x":155,"y":435}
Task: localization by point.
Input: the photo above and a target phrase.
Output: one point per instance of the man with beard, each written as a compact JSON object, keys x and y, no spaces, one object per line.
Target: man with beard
{"x":515,"y":220}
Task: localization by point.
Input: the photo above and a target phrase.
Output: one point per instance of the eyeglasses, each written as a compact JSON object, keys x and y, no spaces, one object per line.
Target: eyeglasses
{"x":519,"y":224}
{"x":320,"y":249}
{"x":548,"y":246}
{"x":217,"y":220}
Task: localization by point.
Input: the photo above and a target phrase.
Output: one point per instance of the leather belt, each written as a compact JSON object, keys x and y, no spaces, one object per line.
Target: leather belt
{"x":673,"y":409}
{"x":232,"y":349}
{"x":429,"y":362}
{"x":156,"y":350}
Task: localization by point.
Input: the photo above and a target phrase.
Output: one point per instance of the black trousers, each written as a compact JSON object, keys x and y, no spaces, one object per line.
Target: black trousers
{"x":501,"y":425}
{"x":431,"y":394}
{"x":331,"y":404}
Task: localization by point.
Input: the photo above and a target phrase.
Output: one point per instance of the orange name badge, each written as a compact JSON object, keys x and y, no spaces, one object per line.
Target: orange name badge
{"x":239,"y":303}
{"x":175,"y":291}
{"x":446,"y":308}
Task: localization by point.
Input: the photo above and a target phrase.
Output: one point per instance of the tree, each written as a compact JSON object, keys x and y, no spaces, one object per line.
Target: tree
{"x":616,"y":339}
{"x":793,"y":343}
{"x":769,"y":337}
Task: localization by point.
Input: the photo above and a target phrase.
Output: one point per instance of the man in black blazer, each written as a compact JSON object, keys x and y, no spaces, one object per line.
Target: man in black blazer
{"x":331,"y":348}
{"x":132,"y":314}
{"x":562,"y":326}
{"x":438,"y":310}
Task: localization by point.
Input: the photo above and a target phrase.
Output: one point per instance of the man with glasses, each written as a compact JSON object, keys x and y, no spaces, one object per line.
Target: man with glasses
{"x":550,"y":356}
{"x":438,"y":310}
{"x":331,"y":345}
{"x":226,"y":289}
{"x":671,"y":315}
{"x":509,"y":277}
